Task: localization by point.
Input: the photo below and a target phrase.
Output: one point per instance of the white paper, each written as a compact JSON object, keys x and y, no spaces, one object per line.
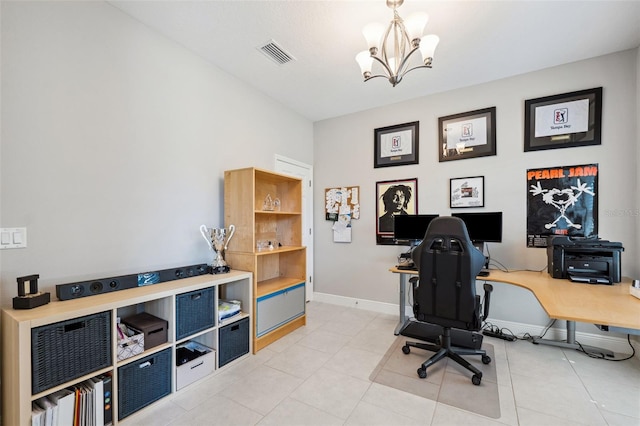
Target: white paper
{"x":342,"y":229}
{"x":394,"y":144}
{"x":562,"y":118}
{"x":464,"y":134}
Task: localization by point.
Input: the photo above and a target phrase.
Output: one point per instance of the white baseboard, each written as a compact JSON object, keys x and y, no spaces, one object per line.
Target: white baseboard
{"x":612,"y":343}
{"x":367,"y":305}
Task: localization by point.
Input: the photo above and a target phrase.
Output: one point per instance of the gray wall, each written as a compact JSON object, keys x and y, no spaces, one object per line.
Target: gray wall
{"x":114,"y":143}
{"x":343,"y":154}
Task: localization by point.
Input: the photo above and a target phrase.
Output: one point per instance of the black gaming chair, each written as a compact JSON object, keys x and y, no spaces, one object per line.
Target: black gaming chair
{"x":445,"y":291}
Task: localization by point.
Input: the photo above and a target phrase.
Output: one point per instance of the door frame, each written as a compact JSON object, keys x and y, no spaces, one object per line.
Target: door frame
{"x":307,"y":214}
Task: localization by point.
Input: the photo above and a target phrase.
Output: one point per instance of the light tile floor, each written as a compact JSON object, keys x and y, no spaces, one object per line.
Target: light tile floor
{"x":319,"y":375}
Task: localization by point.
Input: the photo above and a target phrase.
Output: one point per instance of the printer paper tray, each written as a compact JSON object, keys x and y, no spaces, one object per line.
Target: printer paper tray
{"x":589,"y":278}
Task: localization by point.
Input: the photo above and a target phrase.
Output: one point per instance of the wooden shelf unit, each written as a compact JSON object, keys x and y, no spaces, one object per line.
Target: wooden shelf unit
{"x":275,"y":270}
{"x":157,"y":299}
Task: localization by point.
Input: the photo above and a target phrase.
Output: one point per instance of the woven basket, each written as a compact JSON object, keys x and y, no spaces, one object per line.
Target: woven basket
{"x":195,"y":311}
{"x":143,"y":381}
{"x":66,"y":350}
{"x":234,"y":341}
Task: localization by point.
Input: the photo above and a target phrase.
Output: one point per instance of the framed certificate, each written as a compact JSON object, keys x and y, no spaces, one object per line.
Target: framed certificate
{"x":467,"y":135}
{"x":396,"y":145}
{"x":563,"y":121}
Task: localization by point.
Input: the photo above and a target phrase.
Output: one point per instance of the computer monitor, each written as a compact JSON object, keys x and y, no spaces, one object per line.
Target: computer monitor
{"x":409,"y":229}
{"x":483,"y":227}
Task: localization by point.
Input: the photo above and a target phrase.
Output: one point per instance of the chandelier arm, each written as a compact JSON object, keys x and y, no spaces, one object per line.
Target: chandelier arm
{"x":374,"y":76}
{"x":384,"y":65}
{"x":404,"y":62}
{"x":414,"y":68}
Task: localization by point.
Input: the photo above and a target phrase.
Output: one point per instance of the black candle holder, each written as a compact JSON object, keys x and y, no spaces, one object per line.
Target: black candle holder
{"x":34,"y":298}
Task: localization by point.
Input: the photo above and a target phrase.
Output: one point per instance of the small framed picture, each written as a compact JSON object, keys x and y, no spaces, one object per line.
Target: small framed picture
{"x":394,"y":197}
{"x":563,"y":121}
{"x":396,"y":145}
{"x":467,"y":135}
{"x":466,"y":192}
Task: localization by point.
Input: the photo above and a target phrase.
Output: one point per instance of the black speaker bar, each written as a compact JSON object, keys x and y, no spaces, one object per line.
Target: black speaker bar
{"x":123,"y":282}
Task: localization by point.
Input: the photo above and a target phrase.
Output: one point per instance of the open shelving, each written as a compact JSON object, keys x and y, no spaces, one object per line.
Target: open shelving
{"x":158,"y":300}
{"x":266,"y":209}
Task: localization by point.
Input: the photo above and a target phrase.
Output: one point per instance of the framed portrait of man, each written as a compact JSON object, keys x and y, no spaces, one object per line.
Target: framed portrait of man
{"x":394,"y":197}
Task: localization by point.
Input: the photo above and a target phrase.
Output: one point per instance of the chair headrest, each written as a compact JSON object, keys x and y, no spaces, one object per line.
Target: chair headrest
{"x":447,"y":226}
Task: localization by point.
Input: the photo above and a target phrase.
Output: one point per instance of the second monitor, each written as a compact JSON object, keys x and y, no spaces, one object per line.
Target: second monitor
{"x":485,"y":227}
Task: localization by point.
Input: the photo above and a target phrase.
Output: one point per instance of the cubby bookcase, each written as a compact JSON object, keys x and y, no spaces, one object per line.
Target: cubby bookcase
{"x":160,"y":300}
{"x":266,"y":209}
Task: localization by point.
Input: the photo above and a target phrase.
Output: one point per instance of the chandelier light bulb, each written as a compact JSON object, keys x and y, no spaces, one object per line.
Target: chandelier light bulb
{"x":428,"y":46}
{"x":392,"y":64}
{"x":365,"y":60}
{"x":373,"y":34}
{"x":415,"y":24}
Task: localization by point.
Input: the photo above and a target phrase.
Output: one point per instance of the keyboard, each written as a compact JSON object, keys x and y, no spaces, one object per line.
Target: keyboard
{"x":411,"y":267}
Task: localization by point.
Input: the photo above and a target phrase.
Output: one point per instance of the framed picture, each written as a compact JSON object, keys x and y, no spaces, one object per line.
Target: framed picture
{"x":563,"y":121}
{"x":562,"y":200}
{"x":466,"y":192}
{"x":394,"y":197}
{"x":467,"y":135}
{"x":396,"y":145}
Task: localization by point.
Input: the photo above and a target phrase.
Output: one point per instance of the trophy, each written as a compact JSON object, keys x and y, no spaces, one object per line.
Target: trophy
{"x":217,"y":240}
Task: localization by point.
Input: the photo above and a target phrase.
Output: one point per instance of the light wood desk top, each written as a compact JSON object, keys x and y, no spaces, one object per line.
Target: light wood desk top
{"x":562,"y":299}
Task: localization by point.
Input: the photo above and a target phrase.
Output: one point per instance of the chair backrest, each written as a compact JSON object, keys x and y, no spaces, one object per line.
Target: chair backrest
{"x":448,"y":264}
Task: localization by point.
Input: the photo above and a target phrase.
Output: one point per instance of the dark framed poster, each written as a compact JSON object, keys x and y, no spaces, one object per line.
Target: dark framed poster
{"x":394,"y":197}
{"x":561,"y":201}
{"x":563,"y":121}
{"x":396,"y":145}
{"x":467,"y":135}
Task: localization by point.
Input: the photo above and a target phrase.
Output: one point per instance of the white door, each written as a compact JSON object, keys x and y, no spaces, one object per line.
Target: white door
{"x":305,"y":172}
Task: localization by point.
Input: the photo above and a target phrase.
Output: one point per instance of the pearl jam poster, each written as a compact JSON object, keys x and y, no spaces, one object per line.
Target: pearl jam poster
{"x":561,"y":201}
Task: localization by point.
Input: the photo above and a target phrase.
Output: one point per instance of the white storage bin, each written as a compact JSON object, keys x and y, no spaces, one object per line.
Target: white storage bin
{"x":201,"y":361}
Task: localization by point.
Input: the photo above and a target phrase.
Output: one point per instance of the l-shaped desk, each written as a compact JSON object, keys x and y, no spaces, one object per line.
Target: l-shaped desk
{"x":610,"y":305}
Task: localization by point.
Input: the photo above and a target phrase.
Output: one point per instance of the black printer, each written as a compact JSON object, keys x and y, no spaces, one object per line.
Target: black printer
{"x":588,"y":260}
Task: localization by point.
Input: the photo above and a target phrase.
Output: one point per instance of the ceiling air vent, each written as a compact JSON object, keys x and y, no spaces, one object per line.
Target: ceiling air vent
{"x":276,"y":53}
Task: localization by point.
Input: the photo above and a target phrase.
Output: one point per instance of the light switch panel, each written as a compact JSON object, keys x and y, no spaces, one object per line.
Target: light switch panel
{"x":11,"y":238}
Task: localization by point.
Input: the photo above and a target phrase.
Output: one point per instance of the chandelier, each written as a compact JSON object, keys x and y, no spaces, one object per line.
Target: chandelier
{"x":393,"y":46}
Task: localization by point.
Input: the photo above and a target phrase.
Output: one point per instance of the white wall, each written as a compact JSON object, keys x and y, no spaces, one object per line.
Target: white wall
{"x":114,"y":143}
{"x":343,"y":153}
{"x":637,"y":133}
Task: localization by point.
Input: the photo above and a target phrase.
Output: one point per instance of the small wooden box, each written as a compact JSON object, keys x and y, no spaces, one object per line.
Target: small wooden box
{"x":154,"y":328}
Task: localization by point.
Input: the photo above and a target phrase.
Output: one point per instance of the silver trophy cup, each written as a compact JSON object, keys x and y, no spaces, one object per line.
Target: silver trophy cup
{"x":218,"y":241}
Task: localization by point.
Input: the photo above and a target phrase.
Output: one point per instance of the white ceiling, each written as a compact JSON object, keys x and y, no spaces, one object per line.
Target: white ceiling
{"x":480,"y":41}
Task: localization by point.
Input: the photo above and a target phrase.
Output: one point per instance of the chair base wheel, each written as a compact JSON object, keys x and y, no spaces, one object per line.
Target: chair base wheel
{"x":406,"y":349}
{"x":486,"y":359}
{"x":422,"y":373}
{"x":476,"y":379}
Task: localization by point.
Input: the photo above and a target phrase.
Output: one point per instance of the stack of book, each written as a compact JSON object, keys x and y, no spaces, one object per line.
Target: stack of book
{"x":87,"y":403}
